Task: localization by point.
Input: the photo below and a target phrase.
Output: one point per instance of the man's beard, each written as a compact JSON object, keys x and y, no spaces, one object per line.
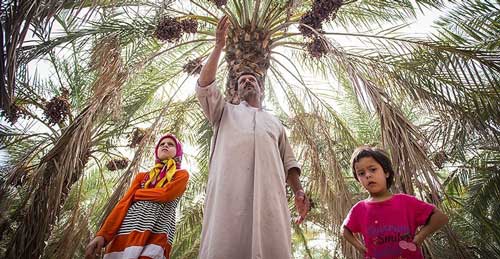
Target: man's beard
{"x":245,"y":93}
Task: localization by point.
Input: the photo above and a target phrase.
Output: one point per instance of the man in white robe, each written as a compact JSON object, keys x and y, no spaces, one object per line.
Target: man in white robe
{"x":246,"y":212}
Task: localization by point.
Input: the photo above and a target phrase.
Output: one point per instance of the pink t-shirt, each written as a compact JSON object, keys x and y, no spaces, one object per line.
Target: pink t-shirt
{"x":388,"y":227}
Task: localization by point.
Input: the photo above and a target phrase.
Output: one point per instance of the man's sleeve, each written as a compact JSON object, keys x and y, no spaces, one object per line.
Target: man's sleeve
{"x":211,"y":101}
{"x":286,"y":153}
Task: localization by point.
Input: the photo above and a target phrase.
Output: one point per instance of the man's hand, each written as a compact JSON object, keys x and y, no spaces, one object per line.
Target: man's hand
{"x":94,"y":247}
{"x":221,"y":32}
{"x":302,"y":204}
{"x":208,"y":71}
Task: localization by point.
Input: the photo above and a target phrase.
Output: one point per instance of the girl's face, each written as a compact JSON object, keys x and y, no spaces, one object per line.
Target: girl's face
{"x":167,"y":149}
{"x":371,"y":175}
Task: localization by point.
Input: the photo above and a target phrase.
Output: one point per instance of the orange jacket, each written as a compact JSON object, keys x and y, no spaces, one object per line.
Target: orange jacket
{"x":169,"y":192}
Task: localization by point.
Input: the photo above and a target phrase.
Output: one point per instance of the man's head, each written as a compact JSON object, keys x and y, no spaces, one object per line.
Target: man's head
{"x":249,"y":87}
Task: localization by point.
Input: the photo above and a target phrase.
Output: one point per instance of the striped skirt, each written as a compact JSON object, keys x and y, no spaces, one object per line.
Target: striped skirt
{"x":146,"y":232}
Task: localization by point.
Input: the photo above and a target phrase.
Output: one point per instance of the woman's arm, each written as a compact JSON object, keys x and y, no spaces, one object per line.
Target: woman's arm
{"x":169,"y":192}
{"x":114,"y":220}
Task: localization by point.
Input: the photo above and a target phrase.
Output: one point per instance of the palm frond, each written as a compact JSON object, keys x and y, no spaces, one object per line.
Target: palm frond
{"x":473,"y":24}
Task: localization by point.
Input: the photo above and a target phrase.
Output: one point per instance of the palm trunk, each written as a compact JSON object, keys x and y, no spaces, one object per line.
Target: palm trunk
{"x":74,"y":234}
{"x":247,"y":51}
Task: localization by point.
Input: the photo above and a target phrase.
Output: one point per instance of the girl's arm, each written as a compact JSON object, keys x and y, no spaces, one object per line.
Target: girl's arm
{"x":437,"y":220}
{"x":169,"y":192}
{"x":353,"y":240}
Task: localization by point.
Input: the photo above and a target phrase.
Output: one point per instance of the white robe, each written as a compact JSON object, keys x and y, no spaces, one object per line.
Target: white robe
{"x":246,"y":212}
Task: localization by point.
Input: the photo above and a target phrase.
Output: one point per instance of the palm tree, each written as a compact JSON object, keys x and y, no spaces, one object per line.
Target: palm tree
{"x":414,"y":96}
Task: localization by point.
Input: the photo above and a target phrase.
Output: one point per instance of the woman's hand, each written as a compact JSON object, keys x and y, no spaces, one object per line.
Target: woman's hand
{"x":94,"y":247}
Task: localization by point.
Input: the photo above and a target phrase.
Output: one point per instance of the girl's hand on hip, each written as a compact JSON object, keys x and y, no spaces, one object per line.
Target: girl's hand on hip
{"x":418,"y":240}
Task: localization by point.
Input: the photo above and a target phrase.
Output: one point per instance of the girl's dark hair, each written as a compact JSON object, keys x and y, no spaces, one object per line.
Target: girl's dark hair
{"x":379,"y":155}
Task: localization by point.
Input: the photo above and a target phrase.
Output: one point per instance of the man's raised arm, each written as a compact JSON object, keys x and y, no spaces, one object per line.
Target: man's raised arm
{"x":207,"y":75}
{"x":211,"y":100}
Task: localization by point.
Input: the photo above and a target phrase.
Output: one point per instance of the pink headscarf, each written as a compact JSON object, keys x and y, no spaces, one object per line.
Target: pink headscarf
{"x":178,"y":153}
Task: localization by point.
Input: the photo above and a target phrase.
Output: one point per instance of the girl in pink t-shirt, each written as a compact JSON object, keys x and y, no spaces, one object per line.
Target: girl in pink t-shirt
{"x":388,"y":222}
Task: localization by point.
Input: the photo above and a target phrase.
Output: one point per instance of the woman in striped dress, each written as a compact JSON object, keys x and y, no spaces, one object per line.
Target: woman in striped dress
{"x":142,"y":224}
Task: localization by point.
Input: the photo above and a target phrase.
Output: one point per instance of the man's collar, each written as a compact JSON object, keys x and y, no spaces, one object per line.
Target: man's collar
{"x":245,"y":103}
